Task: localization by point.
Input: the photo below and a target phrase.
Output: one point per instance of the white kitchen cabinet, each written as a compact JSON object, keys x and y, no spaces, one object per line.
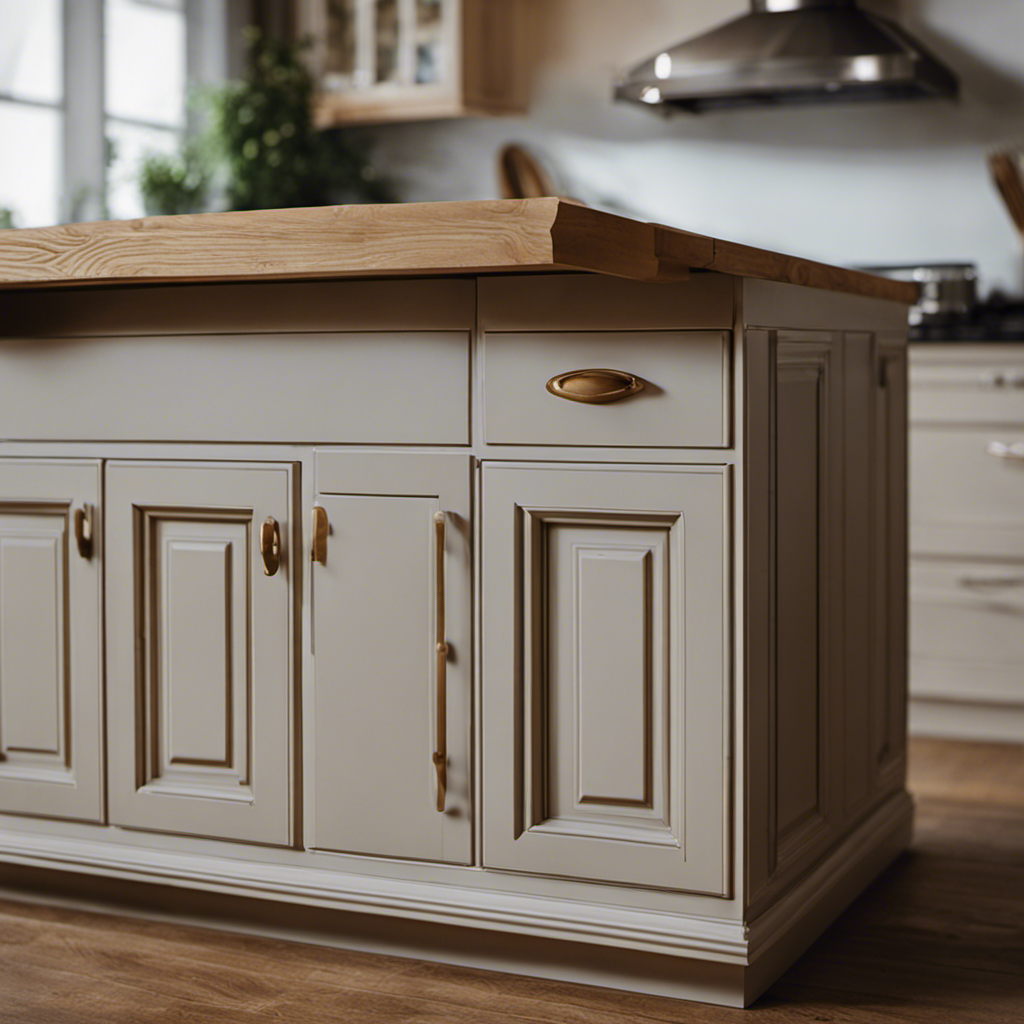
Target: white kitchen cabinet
{"x":604,"y":660}
{"x":51,"y":667}
{"x":381,"y":604}
{"x":200,"y":648}
{"x":967,"y":541}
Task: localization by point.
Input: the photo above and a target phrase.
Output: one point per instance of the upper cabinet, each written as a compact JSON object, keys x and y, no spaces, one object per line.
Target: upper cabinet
{"x":401,"y":60}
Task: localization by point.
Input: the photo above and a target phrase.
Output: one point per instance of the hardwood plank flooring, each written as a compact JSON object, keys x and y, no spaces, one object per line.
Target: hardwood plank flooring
{"x":939,"y":938}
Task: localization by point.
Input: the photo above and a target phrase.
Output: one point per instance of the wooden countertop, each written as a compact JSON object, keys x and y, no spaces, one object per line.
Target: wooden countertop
{"x":499,"y":236}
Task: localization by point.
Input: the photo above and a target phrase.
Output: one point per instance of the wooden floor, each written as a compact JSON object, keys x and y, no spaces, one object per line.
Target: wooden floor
{"x":940,"y":937}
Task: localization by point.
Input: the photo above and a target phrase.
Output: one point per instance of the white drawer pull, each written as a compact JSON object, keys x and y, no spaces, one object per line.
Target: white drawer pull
{"x":995,"y":582}
{"x":1001,"y":450}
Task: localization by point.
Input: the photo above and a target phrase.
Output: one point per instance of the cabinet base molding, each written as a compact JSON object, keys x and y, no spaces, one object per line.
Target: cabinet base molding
{"x":967,"y":720}
{"x":680,"y":956}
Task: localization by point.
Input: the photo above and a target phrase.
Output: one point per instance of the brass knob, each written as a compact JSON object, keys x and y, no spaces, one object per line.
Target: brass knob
{"x":596,"y":386}
{"x":270,"y":546}
{"x":83,"y":530}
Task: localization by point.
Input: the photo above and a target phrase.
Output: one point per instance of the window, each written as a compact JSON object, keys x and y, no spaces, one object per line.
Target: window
{"x":31,"y":109}
{"x":144,"y":57}
{"x":88,"y":87}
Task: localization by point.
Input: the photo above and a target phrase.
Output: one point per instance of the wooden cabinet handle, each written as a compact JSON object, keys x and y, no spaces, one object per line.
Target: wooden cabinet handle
{"x":321,"y":527}
{"x":440,"y":757}
{"x":83,"y":530}
{"x":270,"y":546}
{"x":595,"y":387}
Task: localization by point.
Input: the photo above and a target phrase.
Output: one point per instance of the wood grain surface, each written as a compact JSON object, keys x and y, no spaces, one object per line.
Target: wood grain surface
{"x":486,"y":236}
{"x":938,"y":938}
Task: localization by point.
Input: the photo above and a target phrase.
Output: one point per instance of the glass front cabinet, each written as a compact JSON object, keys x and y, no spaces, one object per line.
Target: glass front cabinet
{"x":396,"y":60}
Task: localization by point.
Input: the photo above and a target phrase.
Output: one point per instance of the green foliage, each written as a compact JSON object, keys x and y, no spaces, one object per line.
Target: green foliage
{"x":275,"y":157}
{"x":176,"y":183}
{"x":6,"y":217}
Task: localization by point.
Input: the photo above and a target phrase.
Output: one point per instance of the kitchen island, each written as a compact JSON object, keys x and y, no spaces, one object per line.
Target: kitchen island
{"x":516,"y":584}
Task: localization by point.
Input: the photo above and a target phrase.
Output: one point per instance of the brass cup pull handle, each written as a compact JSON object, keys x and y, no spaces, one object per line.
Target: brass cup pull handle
{"x":595,"y":387}
{"x":440,"y":757}
{"x":270,"y":546}
{"x":83,"y":530}
{"x":321,"y":527}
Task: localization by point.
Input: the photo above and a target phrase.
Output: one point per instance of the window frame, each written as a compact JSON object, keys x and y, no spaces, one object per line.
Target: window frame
{"x":213,"y":52}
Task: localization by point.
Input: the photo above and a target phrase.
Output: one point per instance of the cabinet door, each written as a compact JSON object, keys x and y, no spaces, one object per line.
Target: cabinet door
{"x":604,"y":685}
{"x":199,"y":649}
{"x":376,"y":602}
{"x":50,"y":648}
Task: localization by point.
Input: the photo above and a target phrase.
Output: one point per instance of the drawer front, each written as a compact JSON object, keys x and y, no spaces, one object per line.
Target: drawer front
{"x":366,"y":387}
{"x":967,"y":491}
{"x":967,"y":630}
{"x":968,"y":392}
{"x":683,"y":404}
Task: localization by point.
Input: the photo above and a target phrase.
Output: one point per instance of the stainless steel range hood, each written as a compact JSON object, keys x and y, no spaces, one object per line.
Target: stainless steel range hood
{"x":791,"y":51}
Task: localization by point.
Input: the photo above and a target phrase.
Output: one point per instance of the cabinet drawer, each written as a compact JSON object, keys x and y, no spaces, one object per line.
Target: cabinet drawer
{"x":683,"y":404}
{"x":967,"y":630}
{"x":967,"y":491}
{"x":968,"y":392}
{"x":390,"y":387}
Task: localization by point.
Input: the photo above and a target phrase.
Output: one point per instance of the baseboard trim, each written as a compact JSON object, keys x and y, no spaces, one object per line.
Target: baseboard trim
{"x":681,"y":956}
{"x":780,"y":935}
{"x":702,"y":938}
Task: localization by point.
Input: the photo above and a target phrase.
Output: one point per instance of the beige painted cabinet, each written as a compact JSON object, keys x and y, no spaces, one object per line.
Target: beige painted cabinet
{"x":200,"y":648}
{"x":394,"y":582}
{"x":51,"y":667}
{"x":604,"y":654}
{"x":547,"y":621}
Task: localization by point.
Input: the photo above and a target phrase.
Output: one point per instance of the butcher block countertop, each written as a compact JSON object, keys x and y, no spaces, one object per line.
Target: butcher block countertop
{"x":499,"y":236}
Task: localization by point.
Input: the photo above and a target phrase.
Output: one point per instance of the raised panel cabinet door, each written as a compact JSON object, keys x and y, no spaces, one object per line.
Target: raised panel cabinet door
{"x":51,"y":667}
{"x":200,"y":648}
{"x":605,"y":612}
{"x":806,"y":625}
{"x":393,"y":582}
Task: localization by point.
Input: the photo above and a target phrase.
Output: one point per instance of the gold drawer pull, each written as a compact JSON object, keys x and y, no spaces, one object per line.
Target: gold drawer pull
{"x":83,"y":530}
{"x":595,"y":386}
{"x":270,"y":546}
{"x":440,"y":757}
{"x":321,"y":526}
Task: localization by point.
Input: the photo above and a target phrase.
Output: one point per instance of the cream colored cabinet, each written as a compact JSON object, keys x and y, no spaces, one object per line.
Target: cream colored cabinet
{"x":604,"y":666}
{"x":51,"y":667}
{"x":393,"y":581}
{"x":199,"y":612}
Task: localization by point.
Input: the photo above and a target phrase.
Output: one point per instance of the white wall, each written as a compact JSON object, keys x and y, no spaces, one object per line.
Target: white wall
{"x":900,"y":183}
